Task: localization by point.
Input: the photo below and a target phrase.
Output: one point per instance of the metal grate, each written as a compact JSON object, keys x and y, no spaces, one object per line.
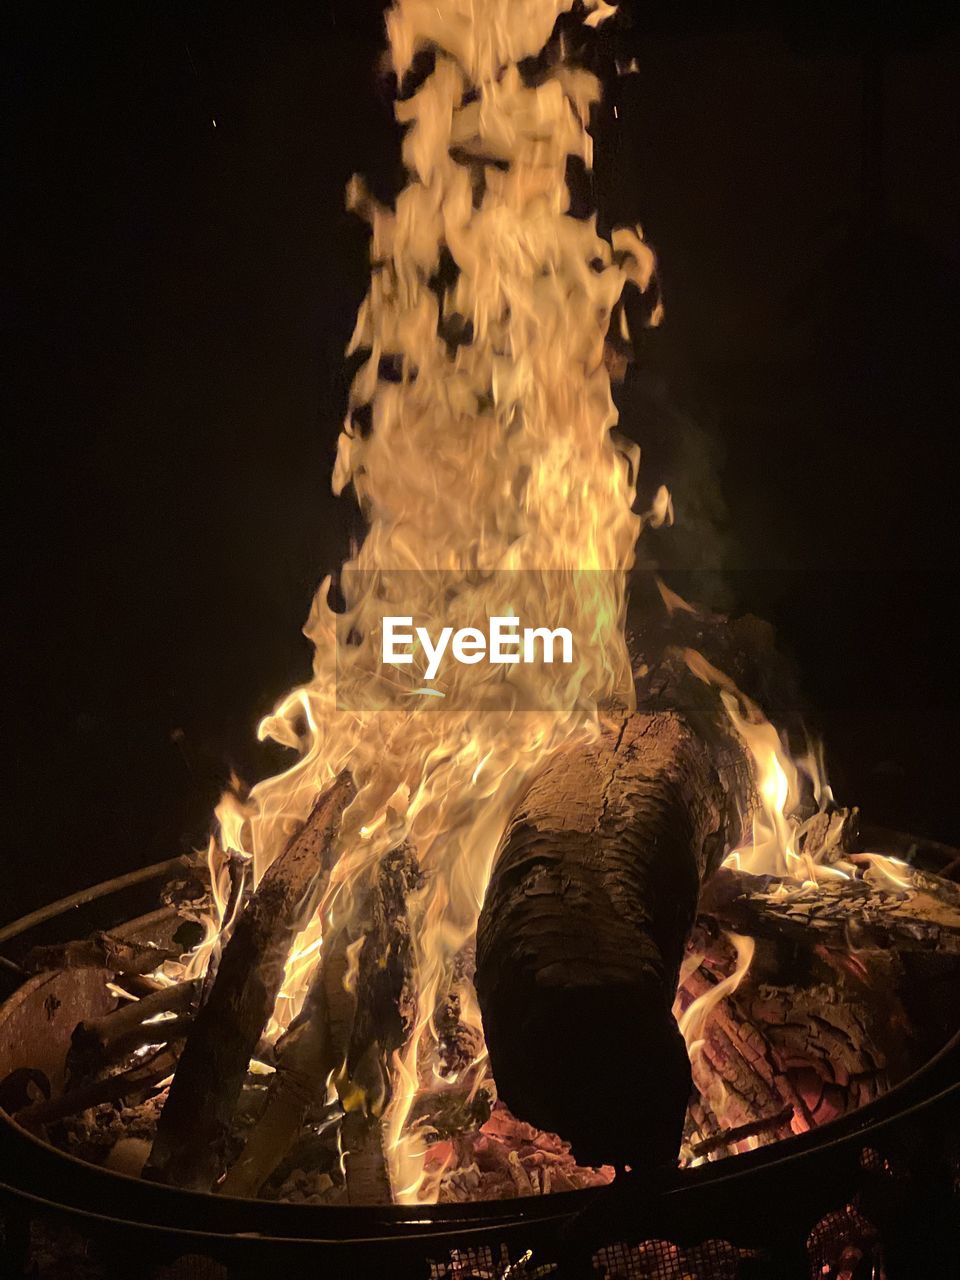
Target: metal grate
{"x":661,"y":1260}
{"x":648,"y":1260}
{"x":470,"y":1264}
{"x":845,"y":1244}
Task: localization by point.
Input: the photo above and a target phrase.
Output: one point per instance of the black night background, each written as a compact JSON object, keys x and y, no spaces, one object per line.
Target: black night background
{"x":182,"y":279}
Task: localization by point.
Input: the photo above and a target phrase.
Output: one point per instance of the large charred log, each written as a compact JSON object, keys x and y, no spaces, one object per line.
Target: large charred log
{"x":581,"y":935}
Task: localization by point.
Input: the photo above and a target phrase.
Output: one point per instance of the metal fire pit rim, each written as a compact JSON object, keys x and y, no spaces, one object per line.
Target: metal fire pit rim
{"x":441,"y":1233}
{"x":837,"y":1141}
{"x":854,"y":1130}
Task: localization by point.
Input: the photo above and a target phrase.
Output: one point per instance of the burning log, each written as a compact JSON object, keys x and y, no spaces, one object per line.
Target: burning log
{"x":828,"y":1014}
{"x":188,"y":1150}
{"x":237,"y":870}
{"x":384,"y":1000}
{"x":377,"y":1021}
{"x":305,"y":1058}
{"x":364,"y":1161}
{"x":917,"y":914}
{"x":581,"y":935}
{"x":357,"y":1030}
{"x":99,"y":1041}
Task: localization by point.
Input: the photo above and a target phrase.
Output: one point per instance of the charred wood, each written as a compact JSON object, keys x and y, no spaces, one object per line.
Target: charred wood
{"x":100,"y":951}
{"x":725,"y":1138}
{"x":99,"y":1041}
{"x":125,"y":1086}
{"x":239,"y":870}
{"x":305,"y":1059}
{"x":364,"y":1161}
{"x":354,"y":1030}
{"x":188,"y":1150}
{"x":384,"y":1003}
{"x":922,"y":913}
{"x":580,"y":939}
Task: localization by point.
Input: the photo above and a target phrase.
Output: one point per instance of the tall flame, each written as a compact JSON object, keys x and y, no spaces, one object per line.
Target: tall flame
{"x":493,"y":452}
{"x":479,"y":443}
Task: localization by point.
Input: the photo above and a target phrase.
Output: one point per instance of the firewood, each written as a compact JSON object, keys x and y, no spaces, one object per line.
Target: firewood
{"x":99,"y":1041}
{"x":194,"y":1124}
{"x":813,"y":1032}
{"x":384,"y":1003}
{"x":727,"y":1137}
{"x":122,"y":1087}
{"x":138,"y":985}
{"x":239,"y":870}
{"x":355,"y":1030}
{"x":364,"y":1161}
{"x":380,"y":1022}
{"x":923,"y":914}
{"x":579,"y":942}
{"x":736,"y":1060}
{"x":100,"y":951}
{"x":305,"y":1058}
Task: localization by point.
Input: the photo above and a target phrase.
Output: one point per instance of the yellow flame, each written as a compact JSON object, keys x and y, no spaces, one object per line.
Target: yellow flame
{"x":493,"y":455}
{"x":498,"y":455}
{"x":693,"y":1021}
{"x":776,"y":823}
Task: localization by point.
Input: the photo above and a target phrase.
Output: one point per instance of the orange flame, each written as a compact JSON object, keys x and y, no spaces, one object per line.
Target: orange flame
{"x":494,"y":453}
{"x":498,"y":455}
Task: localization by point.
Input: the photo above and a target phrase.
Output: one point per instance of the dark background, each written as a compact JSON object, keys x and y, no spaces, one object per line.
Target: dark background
{"x":182,"y":280}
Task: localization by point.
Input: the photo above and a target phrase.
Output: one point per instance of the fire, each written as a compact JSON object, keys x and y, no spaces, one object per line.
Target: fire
{"x":480,"y":444}
{"x":782,"y":784}
{"x":694,"y":1019}
{"x":490,"y":455}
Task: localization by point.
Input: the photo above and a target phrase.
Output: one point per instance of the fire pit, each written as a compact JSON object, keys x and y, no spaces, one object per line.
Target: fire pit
{"x":872,"y":1194}
{"x":551,"y":952}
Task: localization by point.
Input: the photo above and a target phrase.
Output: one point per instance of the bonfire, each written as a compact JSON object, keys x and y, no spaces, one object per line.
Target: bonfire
{"x":506,"y":925}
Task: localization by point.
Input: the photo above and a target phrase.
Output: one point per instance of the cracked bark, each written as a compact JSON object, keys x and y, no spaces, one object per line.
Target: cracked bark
{"x":579,"y":942}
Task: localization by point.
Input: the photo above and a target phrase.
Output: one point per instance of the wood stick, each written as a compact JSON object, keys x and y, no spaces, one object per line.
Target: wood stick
{"x":383,"y":1003}
{"x":139,"y":985}
{"x":100,"y":951}
{"x":382,"y":1016}
{"x":117,"y":1088}
{"x":305,"y":1057}
{"x":924,"y":916}
{"x":337,"y":1028}
{"x":195,"y":1122}
{"x":100,"y":1041}
{"x":727,"y":1137}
